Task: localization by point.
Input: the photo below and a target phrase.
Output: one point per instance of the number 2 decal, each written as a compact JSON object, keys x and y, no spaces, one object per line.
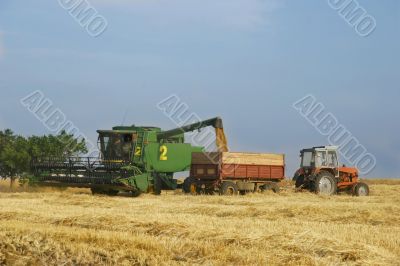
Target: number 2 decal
{"x":163,"y":153}
{"x":138,"y":151}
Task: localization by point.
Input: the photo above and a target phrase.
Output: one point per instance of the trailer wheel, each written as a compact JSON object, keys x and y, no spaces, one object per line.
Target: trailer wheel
{"x":270,"y":186}
{"x":186,"y":185}
{"x":229,"y":188}
{"x":325,"y":184}
{"x":361,"y":190}
{"x":193,"y":189}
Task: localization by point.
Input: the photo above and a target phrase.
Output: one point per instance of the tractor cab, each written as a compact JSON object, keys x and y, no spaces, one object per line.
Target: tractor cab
{"x":320,"y":158}
{"x":320,"y":172}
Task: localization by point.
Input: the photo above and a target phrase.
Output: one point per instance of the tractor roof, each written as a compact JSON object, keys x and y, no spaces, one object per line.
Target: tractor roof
{"x":322,"y":148}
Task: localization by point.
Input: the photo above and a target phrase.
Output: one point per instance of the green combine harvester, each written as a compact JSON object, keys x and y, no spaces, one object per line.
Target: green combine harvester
{"x":133,"y":159}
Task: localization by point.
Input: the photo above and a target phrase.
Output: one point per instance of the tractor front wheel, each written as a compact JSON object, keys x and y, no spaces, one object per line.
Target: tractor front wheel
{"x":361,"y":190}
{"x":325,"y":184}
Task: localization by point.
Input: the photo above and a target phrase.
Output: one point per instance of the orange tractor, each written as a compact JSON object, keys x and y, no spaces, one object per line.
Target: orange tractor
{"x":320,"y":173}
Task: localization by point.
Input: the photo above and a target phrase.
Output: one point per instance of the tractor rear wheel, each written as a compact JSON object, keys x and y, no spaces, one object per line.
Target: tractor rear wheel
{"x":299,"y":181}
{"x":229,"y":188}
{"x":325,"y":184}
{"x":361,"y":190}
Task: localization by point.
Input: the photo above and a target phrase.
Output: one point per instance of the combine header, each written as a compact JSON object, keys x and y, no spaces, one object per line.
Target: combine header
{"x":134,"y":159}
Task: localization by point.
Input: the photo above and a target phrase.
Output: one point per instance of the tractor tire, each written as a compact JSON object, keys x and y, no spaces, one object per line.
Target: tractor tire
{"x":361,"y":190}
{"x":270,"y":186}
{"x":325,"y":184}
{"x":229,"y":189}
{"x":299,"y":181}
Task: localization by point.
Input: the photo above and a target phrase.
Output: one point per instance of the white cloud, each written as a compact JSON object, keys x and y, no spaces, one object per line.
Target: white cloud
{"x":234,"y":14}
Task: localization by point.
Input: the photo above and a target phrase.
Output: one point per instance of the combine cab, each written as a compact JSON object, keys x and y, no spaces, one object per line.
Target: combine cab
{"x":320,"y":172}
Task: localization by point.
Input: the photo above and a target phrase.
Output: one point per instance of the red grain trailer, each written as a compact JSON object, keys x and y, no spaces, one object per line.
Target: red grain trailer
{"x":231,"y":172}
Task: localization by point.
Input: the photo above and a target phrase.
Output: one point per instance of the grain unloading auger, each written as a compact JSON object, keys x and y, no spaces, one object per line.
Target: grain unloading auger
{"x":135,"y":159}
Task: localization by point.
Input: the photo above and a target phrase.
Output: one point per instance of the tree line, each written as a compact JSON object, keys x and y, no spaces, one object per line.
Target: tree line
{"x":17,"y":152}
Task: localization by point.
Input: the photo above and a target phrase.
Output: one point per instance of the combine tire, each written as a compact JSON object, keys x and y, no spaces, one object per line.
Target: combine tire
{"x":157,"y":185}
{"x":361,"y":190}
{"x":229,"y":189}
{"x":325,"y":184}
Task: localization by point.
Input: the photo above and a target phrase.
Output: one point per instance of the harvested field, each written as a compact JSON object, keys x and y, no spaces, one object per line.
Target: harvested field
{"x":68,"y":227}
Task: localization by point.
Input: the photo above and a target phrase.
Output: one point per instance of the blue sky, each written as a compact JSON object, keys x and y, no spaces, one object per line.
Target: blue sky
{"x":245,"y":60}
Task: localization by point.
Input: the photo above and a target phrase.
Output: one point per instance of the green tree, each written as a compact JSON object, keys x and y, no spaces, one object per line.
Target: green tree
{"x":16,"y":152}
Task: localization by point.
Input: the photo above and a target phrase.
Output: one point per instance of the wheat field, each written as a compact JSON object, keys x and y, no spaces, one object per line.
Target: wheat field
{"x":73,"y":227}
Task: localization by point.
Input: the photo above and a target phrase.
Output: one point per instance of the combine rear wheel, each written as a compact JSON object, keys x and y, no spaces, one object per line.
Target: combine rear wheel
{"x":361,"y":190}
{"x":325,"y":184}
{"x":229,"y":189}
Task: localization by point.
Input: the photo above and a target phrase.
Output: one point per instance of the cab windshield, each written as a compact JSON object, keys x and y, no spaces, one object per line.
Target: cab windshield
{"x":326,"y":159}
{"x":116,"y":146}
{"x":307,"y":159}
